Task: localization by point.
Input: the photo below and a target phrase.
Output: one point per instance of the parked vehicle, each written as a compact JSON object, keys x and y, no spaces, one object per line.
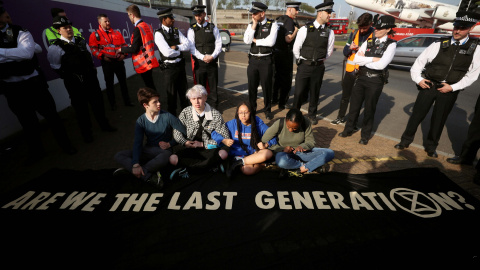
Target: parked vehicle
{"x":408,"y":49}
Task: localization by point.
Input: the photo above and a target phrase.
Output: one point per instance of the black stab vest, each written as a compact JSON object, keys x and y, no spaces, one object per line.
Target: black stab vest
{"x":77,"y":59}
{"x":261,"y":32}
{"x":316,"y":42}
{"x":172,"y":39}
{"x":8,"y":40}
{"x":204,"y":38}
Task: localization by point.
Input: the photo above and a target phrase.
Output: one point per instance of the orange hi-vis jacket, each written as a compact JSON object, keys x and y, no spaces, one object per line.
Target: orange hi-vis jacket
{"x":350,"y":66}
{"x":145,"y":59}
{"x":105,"y":43}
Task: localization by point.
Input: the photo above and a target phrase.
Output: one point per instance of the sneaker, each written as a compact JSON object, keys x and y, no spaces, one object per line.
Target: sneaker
{"x":179,"y":173}
{"x":338,"y":121}
{"x":322,"y":169}
{"x":238,"y":162}
{"x":156,"y":180}
{"x":120,"y":171}
{"x":313,"y":120}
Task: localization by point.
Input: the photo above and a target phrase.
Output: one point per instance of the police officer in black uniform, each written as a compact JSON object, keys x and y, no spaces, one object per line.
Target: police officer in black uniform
{"x":283,"y":54}
{"x":171,"y":43}
{"x":261,"y":33}
{"x":70,"y":57}
{"x":314,"y":44}
{"x":441,"y":71}
{"x":26,"y":90}
{"x":205,"y":47}
{"x":373,"y":58}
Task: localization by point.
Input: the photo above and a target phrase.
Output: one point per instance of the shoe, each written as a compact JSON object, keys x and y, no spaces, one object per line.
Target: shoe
{"x":281,"y":107}
{"x":338,"y":121}
{"x":401,"y":146}
{"x":432,"y":153}
{"x":363,"y":141}
{"x":156,"y":180}
{"x":274,"y":102}
{"x":120,"y":171}
{"x":235,"y":164}
{"x":109,"y":128}
{"x":179,"y":173}
{"x":288,"y":106}
{"x":457,"y":160}
{"x":355,"y":129}
{"x":269,"y":115}
{"x":344,"y":134}
{"x":313,"y":120}
{"x":322,"y":169}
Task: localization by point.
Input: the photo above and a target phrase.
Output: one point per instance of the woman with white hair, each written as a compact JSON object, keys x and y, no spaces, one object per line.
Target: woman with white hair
{"x":200,"y":152}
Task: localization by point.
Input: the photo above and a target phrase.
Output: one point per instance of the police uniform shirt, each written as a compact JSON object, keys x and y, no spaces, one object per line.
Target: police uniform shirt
{"x":55,"y":53}
{"x":24,"y":51}
{"x":269,"y":41}
{"x":165,"y":48}
{"x":302,"y":34}
{"x":380,"y":64}
{"x":431,"y":52}
{"x":193,"y":49}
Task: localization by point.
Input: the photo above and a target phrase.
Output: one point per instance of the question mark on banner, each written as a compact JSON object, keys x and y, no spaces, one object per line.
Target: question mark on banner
{"x":460,"y":199}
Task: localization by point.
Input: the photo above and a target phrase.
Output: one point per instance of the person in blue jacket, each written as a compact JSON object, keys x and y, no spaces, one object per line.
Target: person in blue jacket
{"x":247,"y":149}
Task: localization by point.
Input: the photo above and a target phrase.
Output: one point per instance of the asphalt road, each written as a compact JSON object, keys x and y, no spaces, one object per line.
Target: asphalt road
{"x":394,"y":107}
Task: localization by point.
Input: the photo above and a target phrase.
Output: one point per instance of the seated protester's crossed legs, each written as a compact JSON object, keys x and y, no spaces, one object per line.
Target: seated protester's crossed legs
{"x":198,"y":160}
{"x":153,"y":159}
{"x":255,"y":162}
{"x":310,"y":160}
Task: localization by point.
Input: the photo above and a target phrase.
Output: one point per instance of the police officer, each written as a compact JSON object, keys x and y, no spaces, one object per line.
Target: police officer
{"x":104,"y":43}
{"x":171,"y":43}
{"x":261,"y":33}
{"x":205,"y":47}
{"x":70,"y":57}
{"x":356,"y":39}
{"x":283,"y":54}
{"x":51,"y":34}
{"x":441,"y":71}
{"x":141,"y":47}
{"x":314,"y":44}
{"x":25,"y":90}
{"x":373,"y":58}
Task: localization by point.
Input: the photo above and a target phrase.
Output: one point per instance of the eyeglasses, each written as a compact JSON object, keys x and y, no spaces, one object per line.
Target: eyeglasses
{"x":243,"y":113}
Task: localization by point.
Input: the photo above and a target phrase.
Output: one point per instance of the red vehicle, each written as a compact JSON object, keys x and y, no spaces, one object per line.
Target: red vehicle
{"x":339,"y":26}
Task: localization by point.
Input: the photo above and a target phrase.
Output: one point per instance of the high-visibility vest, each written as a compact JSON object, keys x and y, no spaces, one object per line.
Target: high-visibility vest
{"x":102,"y":43}
{"x":145,"y":59}
{"x":350,"y":66}
{"x":52,"y":34}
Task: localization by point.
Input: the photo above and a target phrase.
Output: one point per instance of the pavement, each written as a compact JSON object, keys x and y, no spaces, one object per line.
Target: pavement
{"x":350,"y":156}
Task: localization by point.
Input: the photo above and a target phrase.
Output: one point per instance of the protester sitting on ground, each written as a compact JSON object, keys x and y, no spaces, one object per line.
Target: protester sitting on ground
{"x":198,"y":151}
{"x":246,"y":131}
{"x":295,"y":148}
{"x":146,"y":161}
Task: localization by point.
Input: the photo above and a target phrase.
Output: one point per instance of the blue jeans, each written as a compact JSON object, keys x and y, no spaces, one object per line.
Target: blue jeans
{"x":312,"y":159}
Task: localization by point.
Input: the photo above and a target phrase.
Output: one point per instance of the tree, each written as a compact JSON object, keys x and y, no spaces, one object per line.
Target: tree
{"x":230,"y":5}
{"x":235,"y":3}
{"x":193,"y":3}
{"x":307,"y":8}
{"x":178,"y":2}
{"x":222,"y":3}
{"x":246,"y":3}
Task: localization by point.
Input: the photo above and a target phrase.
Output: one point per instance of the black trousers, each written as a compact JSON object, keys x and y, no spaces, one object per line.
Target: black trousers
{"x":283,"y":76}
{"x":260,"y":72}
{"x":27,"y":97}
{"x":84,"y":91}
{"x":208,"y":72}
{"x":173,"y":83}
{"x":147,"y":78}
{"x":110,"y":69}
{"x":197,"y":160}
{"x":347,"y":86}
{"x":308,"y":80}
{"x":444,"y":103}
{"x":366,"y":90}
{"x":472,"y":143}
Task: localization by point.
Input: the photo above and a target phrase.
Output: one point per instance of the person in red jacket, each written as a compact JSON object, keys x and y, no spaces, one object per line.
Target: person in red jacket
{"x":104,"y":44}
{"x":142,"y":47}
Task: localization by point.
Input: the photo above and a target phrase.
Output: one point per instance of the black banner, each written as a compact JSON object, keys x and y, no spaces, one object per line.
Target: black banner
{"x":410,"y":219}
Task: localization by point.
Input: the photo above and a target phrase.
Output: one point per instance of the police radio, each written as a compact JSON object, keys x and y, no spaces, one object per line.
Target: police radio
{"x":9,"y":34}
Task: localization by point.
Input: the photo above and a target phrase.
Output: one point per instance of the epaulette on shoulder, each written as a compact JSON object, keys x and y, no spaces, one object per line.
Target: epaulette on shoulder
{"x":193,"y":25}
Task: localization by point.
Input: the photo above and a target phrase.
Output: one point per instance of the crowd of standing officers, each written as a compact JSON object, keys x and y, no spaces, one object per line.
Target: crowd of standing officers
{"x":204,"y":141}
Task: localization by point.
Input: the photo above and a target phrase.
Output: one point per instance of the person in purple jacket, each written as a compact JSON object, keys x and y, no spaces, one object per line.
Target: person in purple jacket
{"x":145,"y":161}
{"x":247,"y":149}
